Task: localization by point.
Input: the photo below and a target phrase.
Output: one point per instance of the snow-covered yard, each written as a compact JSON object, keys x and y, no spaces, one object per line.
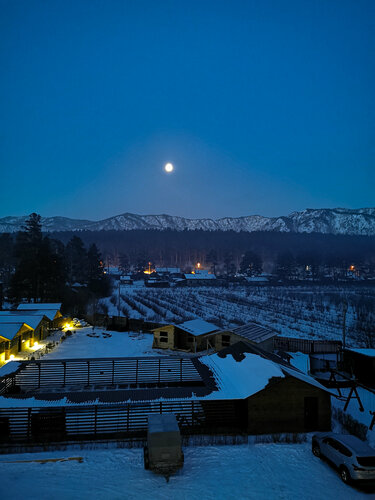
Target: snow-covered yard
{"x":99,"y":343}
{"x":255,"y":471}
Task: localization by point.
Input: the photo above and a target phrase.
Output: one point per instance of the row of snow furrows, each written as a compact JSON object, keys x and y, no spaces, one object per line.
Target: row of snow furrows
{"x":268,"y":307}
{"x":169,"y":306}
{"x":269,"y":315}
{"x":163,"y":300}
{"x":177,"y":312}
{"x":142,"y":312}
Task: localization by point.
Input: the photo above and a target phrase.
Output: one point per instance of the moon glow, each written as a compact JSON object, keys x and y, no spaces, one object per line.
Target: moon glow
{"x":168,"y":167}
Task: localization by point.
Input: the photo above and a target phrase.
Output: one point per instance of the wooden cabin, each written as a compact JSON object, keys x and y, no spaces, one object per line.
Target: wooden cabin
{"x":51,"y":310}
{"x":17,"y":334}
{"x":38,"y":322}
{"x":194,"y":335}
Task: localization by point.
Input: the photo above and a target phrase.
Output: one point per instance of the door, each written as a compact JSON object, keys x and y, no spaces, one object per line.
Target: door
{"x":20,"y":343}
{"x":311,"y":414}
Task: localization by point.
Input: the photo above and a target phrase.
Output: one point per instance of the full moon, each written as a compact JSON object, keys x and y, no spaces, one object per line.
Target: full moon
{"x":168,"y":167}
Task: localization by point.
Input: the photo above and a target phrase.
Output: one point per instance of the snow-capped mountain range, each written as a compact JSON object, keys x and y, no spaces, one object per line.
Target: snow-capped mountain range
{"x":359,"y":221}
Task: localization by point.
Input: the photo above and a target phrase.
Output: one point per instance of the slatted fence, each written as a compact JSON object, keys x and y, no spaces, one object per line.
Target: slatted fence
{"x":76,"y":423}
{"x":306,"y":346}
{"x":121,"y":372}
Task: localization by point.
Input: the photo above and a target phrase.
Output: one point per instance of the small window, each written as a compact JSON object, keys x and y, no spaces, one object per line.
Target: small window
{"x":163,"y":334}
{"x":163,"y":339}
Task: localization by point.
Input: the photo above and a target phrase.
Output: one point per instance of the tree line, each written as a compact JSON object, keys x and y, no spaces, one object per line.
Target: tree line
{"x":39,"y":268}
{"x":227,"y":252}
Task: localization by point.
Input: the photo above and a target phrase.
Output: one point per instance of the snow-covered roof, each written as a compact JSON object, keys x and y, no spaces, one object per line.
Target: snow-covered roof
{"x":255,"y":279}
{"x":240,"y":379}
{"x":32,"y":320}
{"x":200,"y":276}
{"x":171,"y":270}
{"x":39,"y":305}
{"x":365,"y":352}
{"x":49,"y":313}
{"x":254,"y":332}
{"x":198,"y":327}
{"x":10,"y":330}
{"x":9,"y":368}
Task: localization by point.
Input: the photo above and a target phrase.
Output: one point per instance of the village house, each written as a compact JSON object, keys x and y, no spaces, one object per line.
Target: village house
{"x":201,"y":277}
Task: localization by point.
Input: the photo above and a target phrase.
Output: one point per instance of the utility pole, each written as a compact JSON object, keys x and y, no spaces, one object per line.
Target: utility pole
{"x":118,"y":302}
{"x":345,"y":308}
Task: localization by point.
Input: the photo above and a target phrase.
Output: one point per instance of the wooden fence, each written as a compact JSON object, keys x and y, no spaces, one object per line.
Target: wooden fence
{"x":306,"y":346}
{"x":93,"y":422}
{"x":124,"y":372}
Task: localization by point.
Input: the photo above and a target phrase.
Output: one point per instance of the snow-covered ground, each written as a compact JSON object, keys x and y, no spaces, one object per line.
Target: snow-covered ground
{"x":254,"y":471}
{"x":99,"y":343}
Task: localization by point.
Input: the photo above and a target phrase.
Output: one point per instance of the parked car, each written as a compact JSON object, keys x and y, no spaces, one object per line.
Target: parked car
{"x":354,"y":459}
{"x":163,"y":452}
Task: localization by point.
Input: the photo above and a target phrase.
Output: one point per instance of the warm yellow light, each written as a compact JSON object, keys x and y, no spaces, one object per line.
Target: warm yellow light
{"x":11,"y":357}
{"x":36,"y":344}
{"x":168,"y":167}
{"x":198,"y":265}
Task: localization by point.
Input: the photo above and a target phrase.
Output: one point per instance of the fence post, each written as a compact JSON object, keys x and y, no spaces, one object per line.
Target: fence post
{"x":136,"y":373}
{"x":29,"y":423}
{"x":64,"y":363}
{"x":95,"y":418}
{"x":113,"y":372}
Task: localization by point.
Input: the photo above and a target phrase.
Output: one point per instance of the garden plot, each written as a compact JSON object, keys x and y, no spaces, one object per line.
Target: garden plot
{"x":306,"y":312}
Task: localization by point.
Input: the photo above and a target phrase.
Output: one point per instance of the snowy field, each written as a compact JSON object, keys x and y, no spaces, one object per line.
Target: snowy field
{"x":256,"y":471}
{"x":293,"y":311}
{"x":99,"y":343}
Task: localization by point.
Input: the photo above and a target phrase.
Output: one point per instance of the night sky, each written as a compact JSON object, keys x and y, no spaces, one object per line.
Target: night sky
{"x":263,"y":107}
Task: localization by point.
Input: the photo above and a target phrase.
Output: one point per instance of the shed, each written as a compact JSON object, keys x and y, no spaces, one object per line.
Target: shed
{"x":193,"y":335}
{"x":256,"y":334}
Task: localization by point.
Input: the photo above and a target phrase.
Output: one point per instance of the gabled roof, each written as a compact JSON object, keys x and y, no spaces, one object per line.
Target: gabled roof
{"x":197,"y":327}
{"x":10,"y":330}
{"x":32,"y":320}
{"x":200,"y":276}
{"x":254,"y":332}
{"x":239,"y":352}
{"x":365,"y":352}
{"x":39,"y":305}
{"x":49,"y":313}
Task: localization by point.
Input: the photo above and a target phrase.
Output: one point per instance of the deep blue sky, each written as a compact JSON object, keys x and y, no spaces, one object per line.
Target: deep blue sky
{"x":263,"y":106}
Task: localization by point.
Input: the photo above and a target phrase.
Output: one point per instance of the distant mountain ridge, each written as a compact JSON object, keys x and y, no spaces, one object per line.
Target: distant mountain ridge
{"x":359,"y":221}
